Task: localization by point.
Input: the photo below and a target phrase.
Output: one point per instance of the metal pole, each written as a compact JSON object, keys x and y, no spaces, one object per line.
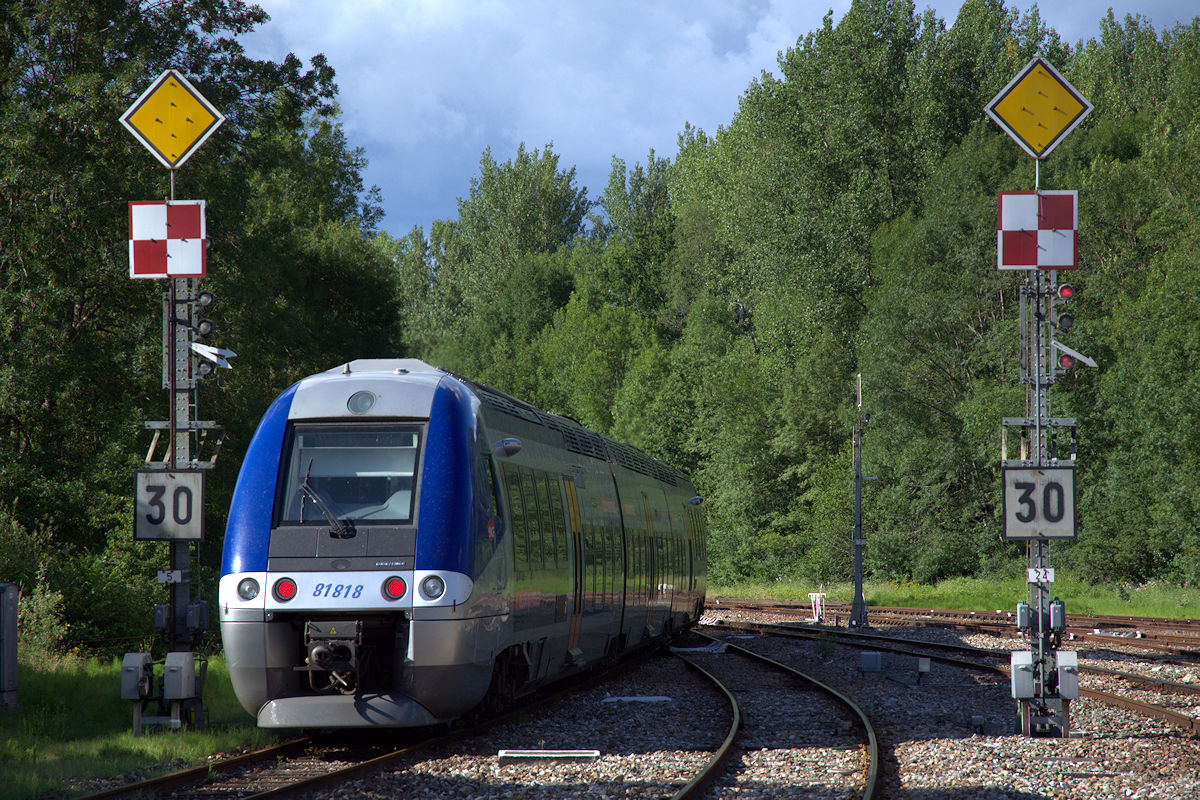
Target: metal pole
{"x":858,"y":609}
{"x":179,"y":451}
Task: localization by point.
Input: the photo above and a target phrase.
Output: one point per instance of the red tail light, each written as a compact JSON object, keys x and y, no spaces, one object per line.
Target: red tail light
{"x":284,"y":589}
{"x":394,"y":587}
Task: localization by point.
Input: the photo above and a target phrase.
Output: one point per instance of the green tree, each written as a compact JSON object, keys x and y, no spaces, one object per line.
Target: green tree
{"x":298,"y":280}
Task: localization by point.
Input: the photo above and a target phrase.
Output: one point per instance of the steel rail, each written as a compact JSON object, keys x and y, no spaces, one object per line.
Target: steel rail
{"x":164,"y":784}
{"x":714,"y":766}
{"x":872,"y":781}
{"x":1176,"y":636}
{"x":1158,"y":683}
{"x":902,"y":647}
{"x":191,"y":775}
{"x":335,"y":777}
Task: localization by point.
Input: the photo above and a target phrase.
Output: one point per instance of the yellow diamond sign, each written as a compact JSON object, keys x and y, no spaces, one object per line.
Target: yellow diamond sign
{"x":1038,"y":108}
{"x":172,"y":119}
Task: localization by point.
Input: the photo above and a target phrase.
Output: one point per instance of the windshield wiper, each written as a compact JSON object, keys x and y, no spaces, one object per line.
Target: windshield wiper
{"x":338,"y":528}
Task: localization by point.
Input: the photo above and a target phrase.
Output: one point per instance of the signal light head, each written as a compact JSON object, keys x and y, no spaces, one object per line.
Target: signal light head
{"x":1065,"y":361}
{"x":1065,"y":291}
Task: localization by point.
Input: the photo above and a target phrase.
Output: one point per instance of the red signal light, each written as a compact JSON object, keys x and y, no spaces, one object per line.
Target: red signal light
{"x":1066,"y":291}
{"x":1065,"y":361}
{"x":394,"y":587}
{"x":284,"y":589}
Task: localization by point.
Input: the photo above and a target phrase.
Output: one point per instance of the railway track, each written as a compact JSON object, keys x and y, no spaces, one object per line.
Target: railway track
{"x":292,"y":769}
{"x":994,"y":660}
{"x":684,"y":755}
{"x":302,"y":766}
{"x":764,"y":691}
{"x":1169,"y":638}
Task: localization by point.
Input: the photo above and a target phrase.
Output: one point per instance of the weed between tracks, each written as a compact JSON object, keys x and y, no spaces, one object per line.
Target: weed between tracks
{"x":73,"y":733}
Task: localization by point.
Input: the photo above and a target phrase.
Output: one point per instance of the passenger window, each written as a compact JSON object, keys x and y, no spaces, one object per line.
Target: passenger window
{"x":546,"y":516}
{"x":558,"y":516}
{"x":532,"y":520}
{"x":512,"y":482}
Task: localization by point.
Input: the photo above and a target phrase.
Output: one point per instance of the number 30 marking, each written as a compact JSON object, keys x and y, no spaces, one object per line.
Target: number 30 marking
{"x":1039,"y":503}
{"x":170,"y":505}
{"x":1053,"y":502}
{"x":181,"y":505}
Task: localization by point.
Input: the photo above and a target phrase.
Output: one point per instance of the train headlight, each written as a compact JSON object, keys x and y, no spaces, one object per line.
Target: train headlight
{"x":248,"y":589}
{"x":432,"y":587}
{"x":394,"y":588}
{"x":360,"y":402}
{"x":284,"y":589}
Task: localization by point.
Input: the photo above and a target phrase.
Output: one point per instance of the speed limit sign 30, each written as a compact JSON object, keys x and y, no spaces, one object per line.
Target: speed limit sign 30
{"x":1039,"y":503}
{"x":169,"y":504}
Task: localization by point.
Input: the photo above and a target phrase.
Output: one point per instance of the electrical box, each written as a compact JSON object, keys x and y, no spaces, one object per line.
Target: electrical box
{"x":162,"y":617}
{"x":197,"y":616}
{"x":1058,"y":615}
{"x":137,"y":676}
{"x":1068,"y":674}
{"x":1021,"y":663}
{"x":9,"y":593}
{"x":1022,"y":616}
{"x":179,"y":676}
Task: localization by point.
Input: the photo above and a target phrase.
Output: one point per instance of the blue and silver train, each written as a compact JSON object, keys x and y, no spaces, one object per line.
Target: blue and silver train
{"x":405,"y":545}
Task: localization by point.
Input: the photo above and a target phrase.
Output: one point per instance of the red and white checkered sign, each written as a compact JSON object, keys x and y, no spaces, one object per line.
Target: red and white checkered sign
{"x":167,"y":239}
{"x":1036,"y":230}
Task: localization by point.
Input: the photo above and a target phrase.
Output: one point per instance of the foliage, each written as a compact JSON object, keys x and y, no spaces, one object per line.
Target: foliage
{"x":300,"y":282}
{"x":714,"y":309}
{"x":719,"y":308}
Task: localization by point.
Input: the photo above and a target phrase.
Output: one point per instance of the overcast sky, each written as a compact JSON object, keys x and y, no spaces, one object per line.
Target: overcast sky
{"x":426,"y":85}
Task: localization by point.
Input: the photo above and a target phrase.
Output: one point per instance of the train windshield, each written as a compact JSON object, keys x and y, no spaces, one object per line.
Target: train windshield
{"x":350,"y":473}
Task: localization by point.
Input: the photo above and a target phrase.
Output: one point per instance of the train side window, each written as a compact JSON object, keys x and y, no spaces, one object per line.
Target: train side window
{"x":610,"y":561}
{"x":559,"y":518}
{"x":532,"y":519}
{"x":603,"y":566}
{"x":516,"y":507}
{"x":546,"y":517}
{"x":491,"y":481}
{"x":590,"y":560}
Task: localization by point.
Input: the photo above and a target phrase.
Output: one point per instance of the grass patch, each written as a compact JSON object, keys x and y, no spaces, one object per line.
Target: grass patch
{"x":73,"y":729}
{"x":1149,"y":600}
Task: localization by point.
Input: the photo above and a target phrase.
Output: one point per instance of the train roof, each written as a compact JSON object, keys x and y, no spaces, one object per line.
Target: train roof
{"x":576,"y":438}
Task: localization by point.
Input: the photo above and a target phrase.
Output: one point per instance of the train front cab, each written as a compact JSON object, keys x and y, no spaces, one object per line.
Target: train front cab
{"x":378,"y":622}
